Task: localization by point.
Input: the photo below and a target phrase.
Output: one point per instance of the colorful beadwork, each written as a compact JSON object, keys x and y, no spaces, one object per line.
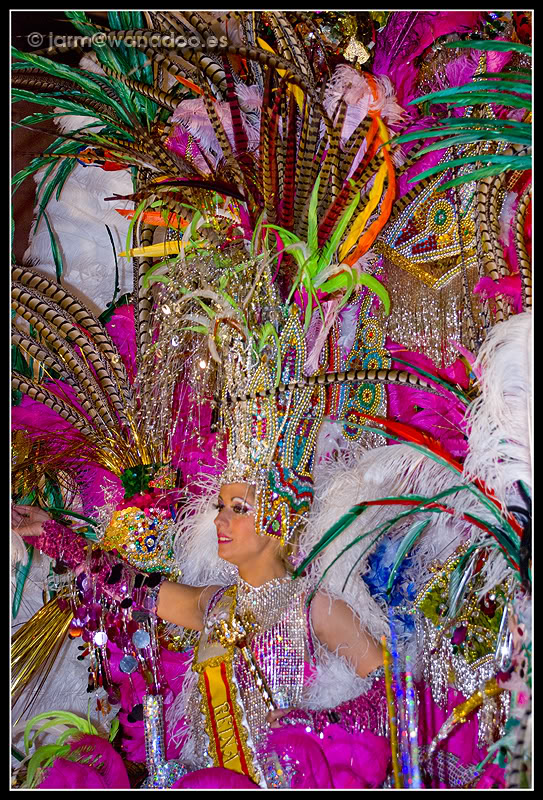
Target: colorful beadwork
{"x":368,"y":352}
{"x":272,"y":439}
{"x":434,"y":236}
{"x":143,"y":536}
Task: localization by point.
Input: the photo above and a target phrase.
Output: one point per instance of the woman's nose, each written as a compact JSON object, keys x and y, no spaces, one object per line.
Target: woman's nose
{"x":222,"y":519}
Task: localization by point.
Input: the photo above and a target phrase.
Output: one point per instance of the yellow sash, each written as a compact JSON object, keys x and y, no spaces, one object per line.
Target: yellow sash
{"x":220,"y":703}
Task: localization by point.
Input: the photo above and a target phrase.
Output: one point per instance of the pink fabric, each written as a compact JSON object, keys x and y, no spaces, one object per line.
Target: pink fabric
{"x":338,"y":760}
{"x":462,"y":742}
{"x":66,"y":774}
{"x":509,"y":286}
{"x":214,"y":778}
{"x":174,"y":667}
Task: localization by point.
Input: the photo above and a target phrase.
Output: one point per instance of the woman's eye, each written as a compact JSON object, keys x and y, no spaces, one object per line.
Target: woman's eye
{"x":241,"y":509}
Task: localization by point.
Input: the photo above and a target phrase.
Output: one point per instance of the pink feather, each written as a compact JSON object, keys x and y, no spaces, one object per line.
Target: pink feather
{"x":439,"y":415}
{"x":110,"y":772}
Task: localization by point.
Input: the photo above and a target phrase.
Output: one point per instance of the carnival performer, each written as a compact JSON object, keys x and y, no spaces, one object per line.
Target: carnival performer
{"x":284,"y":652}
{"x":251,"y":352}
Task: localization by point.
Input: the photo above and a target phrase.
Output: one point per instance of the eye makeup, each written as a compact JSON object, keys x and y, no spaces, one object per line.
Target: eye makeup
{"x":237,"y":504}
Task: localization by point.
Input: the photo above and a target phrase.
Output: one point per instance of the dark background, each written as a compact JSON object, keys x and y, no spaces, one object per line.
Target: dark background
{"x":27,"y":144}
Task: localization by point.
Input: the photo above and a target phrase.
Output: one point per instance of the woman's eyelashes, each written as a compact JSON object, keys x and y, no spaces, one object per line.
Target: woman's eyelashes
{"x":237,"y":507}
{"x":242,"y":509}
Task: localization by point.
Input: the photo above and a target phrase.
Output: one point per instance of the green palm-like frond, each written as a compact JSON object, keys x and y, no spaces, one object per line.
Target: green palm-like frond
{"x":508,"y":89}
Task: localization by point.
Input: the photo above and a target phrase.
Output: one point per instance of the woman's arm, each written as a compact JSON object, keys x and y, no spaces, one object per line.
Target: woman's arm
{"x":338,"y":629}
{"x":184,"y":605}
{"x":176,"y":602}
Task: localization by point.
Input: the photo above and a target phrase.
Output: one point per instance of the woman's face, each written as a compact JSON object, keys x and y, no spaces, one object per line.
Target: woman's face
{"x":235,"y":522}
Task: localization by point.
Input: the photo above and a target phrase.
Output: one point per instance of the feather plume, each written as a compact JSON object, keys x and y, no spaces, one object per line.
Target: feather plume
{"x":499,"y":421}
{"x":19,"y":553}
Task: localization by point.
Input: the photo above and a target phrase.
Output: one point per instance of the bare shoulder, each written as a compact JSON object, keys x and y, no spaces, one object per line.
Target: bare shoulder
{"x":328,"y":611}
{"x":338,"y":628}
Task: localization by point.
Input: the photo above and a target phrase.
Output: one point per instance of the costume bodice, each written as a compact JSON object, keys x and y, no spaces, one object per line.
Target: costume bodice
{"x":278,"y":646}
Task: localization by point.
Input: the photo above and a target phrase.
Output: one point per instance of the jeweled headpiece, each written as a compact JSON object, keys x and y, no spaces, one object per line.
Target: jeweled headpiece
{"x":272,"y":430}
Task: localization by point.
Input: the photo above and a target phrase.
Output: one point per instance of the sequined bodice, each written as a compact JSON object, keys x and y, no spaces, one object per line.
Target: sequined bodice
{"x":278,"y":609}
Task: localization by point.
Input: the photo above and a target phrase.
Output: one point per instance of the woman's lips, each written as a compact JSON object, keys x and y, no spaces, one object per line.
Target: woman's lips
{"x":222,"y":539}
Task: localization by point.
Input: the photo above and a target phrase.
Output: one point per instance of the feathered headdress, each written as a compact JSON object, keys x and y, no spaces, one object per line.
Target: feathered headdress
{"x":272,"y":182}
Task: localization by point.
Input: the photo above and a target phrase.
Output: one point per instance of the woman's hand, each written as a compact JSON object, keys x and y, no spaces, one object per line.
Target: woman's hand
{"x":27,"y":520}
{"x":273,"y":717}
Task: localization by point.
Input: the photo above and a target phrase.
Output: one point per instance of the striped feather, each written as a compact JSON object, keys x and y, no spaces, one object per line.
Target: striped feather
{"x":354,"y":376}
{"x":224,"y":142}
{"x":168,"y":100}
{"x":240,"y":137}
{"x":402,"y":203}
{"x":288,"y":44}
{"x":82,"y":316}
{"x":525,"y":268}
{"x":289,"y":185}
{"x":77,"y":375}
{"x":270,"y":60}
{"x":142,"y":297}
{"x":330,"y":168}
{"x":41,"y":395}
{"x":365,"y":170}
{"x":308,"y":147}
{"x":32,"y":308}
{"x":268,"y":154}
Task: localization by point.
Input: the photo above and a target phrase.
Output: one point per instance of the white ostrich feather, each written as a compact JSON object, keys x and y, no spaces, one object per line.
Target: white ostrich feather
{"x":196,"y":548}
{"x":19,"y":553}
{"x":177,"y":712}
{"x":78,"y":219}
{"x":385,"y":472}
{"x":353,"y":87}
{"x":506,"y":215}
{"x":193,"y":116}
{"x":499,"y":421}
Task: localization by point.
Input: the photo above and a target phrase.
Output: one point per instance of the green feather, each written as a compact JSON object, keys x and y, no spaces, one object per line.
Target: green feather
{"x":363,"y":280}
{"x":55,"y":250}
{"x":43,"y":757}
{"x":472,"y":138}
{"x":516,"y":163}
{"x":445,"y":95}
{"x":332,"y":533}
{"x":505,"y":161}
{"x":312,"y":221}
{"x":491,"y":45}
{"x":86,"y":80}
{"x":523,"y":75}
{"x":455,"y":126}
{"x":501,"y":98}
{"x":405,"y":546}
{"x":60,"y":510}
{"x":329,"y":249}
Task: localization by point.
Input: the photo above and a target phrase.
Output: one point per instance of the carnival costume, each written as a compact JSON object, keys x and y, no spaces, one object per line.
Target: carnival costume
{"x":252,"y":353}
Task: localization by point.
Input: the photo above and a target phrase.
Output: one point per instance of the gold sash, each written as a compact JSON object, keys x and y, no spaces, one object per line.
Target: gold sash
{"x":228,"y":736}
